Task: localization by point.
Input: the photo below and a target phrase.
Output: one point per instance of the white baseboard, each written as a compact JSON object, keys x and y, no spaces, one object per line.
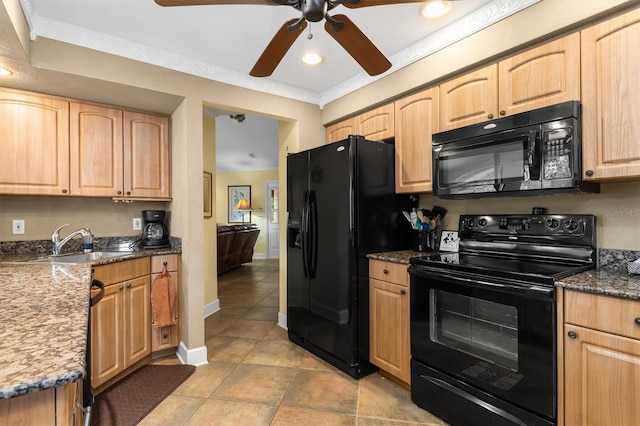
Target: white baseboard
{"x":282,"y":320}
{"x":211,"y":308}
{"x":197,"y":356}
{"x":259,"y":256}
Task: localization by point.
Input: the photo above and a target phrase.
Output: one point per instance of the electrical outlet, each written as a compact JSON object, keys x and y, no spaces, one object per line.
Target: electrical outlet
{"x":137,"y":224}
{"x":18,"y":226}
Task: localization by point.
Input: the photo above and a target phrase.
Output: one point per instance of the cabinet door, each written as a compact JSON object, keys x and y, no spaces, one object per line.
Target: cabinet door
{"x":610,"y":93}
{"x":107,"y":333}
{"x":96,"y":151}
{"x":546,"y":75}
{"x":469,"y":99}
{"x":169,"y":336}
{"x":602,"y":377}
{"x":34,"y":142}
{"x":416,"y":121}
{"x":147,"y":163}
{"x":389,"y":328}
{"x":137,"y":320}
{"x":342,"y":130}
{"x":377,"y":124}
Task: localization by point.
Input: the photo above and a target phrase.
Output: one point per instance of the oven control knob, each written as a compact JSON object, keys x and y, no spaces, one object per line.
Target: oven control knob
{"x":552,"y":223}
{"x":570,"y":225}
{"x":482,"y":222}
{"x":469,"y":222}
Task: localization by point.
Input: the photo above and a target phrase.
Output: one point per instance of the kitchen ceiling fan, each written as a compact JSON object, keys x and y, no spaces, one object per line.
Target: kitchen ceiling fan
{"x":341,"y":28}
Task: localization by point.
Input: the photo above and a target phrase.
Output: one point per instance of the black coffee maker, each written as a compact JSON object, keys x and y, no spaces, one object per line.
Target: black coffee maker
{"x":155,"y":233}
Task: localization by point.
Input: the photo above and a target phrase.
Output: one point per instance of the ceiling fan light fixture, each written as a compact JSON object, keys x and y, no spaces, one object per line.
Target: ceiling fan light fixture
{"x":312,"y":58}
{"x":435,"y":9}
{"x":5,"y":71}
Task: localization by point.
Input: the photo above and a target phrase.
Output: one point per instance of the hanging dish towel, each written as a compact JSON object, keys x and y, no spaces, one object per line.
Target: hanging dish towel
{"x":163,"y":300}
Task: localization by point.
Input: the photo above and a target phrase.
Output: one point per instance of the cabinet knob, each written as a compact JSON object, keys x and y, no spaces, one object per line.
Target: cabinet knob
{"x":502,"y":112}
{"x":121,"y":288}
{"x":637,"y":321}
{"x":403,"y":292}
{"x":128,"y":192}
{"x":119,"y":192}
{"x":384,"y":271}
{"x":64,"y":191}
{"x":128,"y":285}
{"x":490,"y":116}
{"x":165,"y":335}
{"x":572,"y":335}
{"x":589,"y":173}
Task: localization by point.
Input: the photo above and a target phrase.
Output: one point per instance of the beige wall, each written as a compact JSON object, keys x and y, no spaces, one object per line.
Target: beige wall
{"x":257,"y":180}
{"x":210,"y":244}
{"x":616,"y":207}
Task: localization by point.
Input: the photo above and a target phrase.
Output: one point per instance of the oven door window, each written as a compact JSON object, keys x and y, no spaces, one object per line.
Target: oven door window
{"x":481,"y":328}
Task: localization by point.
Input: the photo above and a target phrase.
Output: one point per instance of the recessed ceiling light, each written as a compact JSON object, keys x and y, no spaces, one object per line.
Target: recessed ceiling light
{"x":5,"y":71}
{"x":435,"y":9}
{"x":311,"y":58}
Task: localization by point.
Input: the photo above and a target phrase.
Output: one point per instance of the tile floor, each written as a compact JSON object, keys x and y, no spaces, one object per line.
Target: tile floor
{"x":255,"y":376}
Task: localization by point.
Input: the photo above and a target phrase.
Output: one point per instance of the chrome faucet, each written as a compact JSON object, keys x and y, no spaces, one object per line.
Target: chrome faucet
{"x":57,"y":244}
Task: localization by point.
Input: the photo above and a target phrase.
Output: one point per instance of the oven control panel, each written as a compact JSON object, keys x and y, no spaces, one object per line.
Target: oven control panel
{"x":533,"y":225}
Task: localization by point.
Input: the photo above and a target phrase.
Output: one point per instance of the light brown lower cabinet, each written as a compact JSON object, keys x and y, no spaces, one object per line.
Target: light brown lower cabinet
{"x":601,"y":360}
{"x":389,"y":346}
{"x":53,"y":406}
{"x":166,"y":338}
{"x":121,"y":321}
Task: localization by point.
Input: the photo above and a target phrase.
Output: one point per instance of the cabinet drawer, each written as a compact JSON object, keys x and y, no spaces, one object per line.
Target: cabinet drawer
{"x":389,"y":271}
{"x":157,"y":263}
{"x":609,"y":314}
{"x":121,"y":271}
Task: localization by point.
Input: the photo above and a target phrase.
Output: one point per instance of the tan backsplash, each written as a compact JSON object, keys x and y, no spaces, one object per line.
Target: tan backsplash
{"x":616,"y":207}
{"x":44,"y":214}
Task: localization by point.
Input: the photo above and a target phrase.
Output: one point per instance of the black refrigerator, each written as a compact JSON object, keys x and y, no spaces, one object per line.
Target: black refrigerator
{"x":341,"y":206}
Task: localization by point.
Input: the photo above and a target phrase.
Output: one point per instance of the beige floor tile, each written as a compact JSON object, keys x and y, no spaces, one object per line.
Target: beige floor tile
{"x":256,"y":383}
{"x":281,"y":353}
{"x":312,"y":362}
{"x":270,"y":302}
{"x":383,"y":399}
{"x":168,"y":360}
{"x":276,"y":333}
{"x":322,"y":390}
{"x":175,"y":410}
{"x":227,"y":348}
{"x":231,"y":413}
{"x":205,"y":379}
{"x":248,"y":329}
{"x":261,"y":313}
{"x":363,"y":421}
{"x":229,"y":312}
{"x":289,"y":416}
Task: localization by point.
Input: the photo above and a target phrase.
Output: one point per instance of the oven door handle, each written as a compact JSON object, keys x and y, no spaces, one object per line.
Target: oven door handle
{"x":499,"y":284}
{"x":484,"y":404}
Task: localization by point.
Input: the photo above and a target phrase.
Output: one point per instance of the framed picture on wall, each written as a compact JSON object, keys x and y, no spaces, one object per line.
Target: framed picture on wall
{"x":206,"y":189}
{"x":237,"y":193}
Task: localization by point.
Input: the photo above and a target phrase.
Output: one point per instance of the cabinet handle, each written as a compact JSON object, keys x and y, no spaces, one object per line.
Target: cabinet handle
{"x":121,"y":288}
{"x":384,"y":271}
{"x":403,"y":292}
{"x":490,"y":116}
{"x":589,"y":173}
{"x":502,"y":112}
{"x":637,"y":321}
{"x":572,"y":335}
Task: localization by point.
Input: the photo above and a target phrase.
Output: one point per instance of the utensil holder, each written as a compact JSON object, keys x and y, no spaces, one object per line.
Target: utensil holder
{"x":425,"y":241}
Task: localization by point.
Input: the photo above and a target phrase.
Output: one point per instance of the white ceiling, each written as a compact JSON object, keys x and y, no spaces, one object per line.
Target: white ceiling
{"x":223,"y":42}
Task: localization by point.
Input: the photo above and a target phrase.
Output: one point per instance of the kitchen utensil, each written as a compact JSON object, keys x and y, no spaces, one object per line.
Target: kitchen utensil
{"x":420,"y":215}
{"x":437,"y":210}
{"x":408,"y":217}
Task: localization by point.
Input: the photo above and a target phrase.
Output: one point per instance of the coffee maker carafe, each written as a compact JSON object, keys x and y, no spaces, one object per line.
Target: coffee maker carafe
{"x":155,"y":233}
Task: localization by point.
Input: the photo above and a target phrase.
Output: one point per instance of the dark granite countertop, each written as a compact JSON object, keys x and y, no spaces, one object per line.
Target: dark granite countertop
{"x":402,"y":256}
{"x":605,"y":282}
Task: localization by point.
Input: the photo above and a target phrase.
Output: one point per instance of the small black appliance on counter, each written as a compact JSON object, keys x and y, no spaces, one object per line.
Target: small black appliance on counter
{"x":155,"y":233}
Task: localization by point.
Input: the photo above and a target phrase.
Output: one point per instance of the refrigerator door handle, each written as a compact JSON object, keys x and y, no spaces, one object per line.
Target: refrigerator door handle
{"x":313,"y":234}
{"x":304,"y":232}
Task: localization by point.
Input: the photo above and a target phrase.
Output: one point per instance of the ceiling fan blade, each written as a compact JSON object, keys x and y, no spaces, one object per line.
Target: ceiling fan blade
{"x":276,"y":49}
{"x":206,"y":2}
{"x":366,"y":3}
{"x":358,"y":46}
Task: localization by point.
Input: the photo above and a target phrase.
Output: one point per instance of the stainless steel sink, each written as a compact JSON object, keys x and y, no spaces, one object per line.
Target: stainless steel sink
{"x":80,"y":257}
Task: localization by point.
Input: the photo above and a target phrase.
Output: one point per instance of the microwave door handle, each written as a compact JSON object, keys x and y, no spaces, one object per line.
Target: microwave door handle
{"x":534,"y":156}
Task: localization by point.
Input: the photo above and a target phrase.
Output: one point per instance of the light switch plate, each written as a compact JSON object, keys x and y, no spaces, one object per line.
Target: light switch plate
{"x":449,"y":241}
{"x":18,"y":226}
{"x":137,"y":224}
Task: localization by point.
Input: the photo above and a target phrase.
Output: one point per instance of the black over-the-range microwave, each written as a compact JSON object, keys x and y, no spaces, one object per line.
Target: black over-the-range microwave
{"x":531,"y":153}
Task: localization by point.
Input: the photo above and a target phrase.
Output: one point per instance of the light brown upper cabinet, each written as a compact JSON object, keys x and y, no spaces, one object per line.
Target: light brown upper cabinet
{"x":96,"y":151}
{"x":610,"y":99}
{"x":416,"y":121}
{"x":147,"y":161}
{"x":34,"y":142}
{"x":542,"y":76}
{"x":375,"y":125}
